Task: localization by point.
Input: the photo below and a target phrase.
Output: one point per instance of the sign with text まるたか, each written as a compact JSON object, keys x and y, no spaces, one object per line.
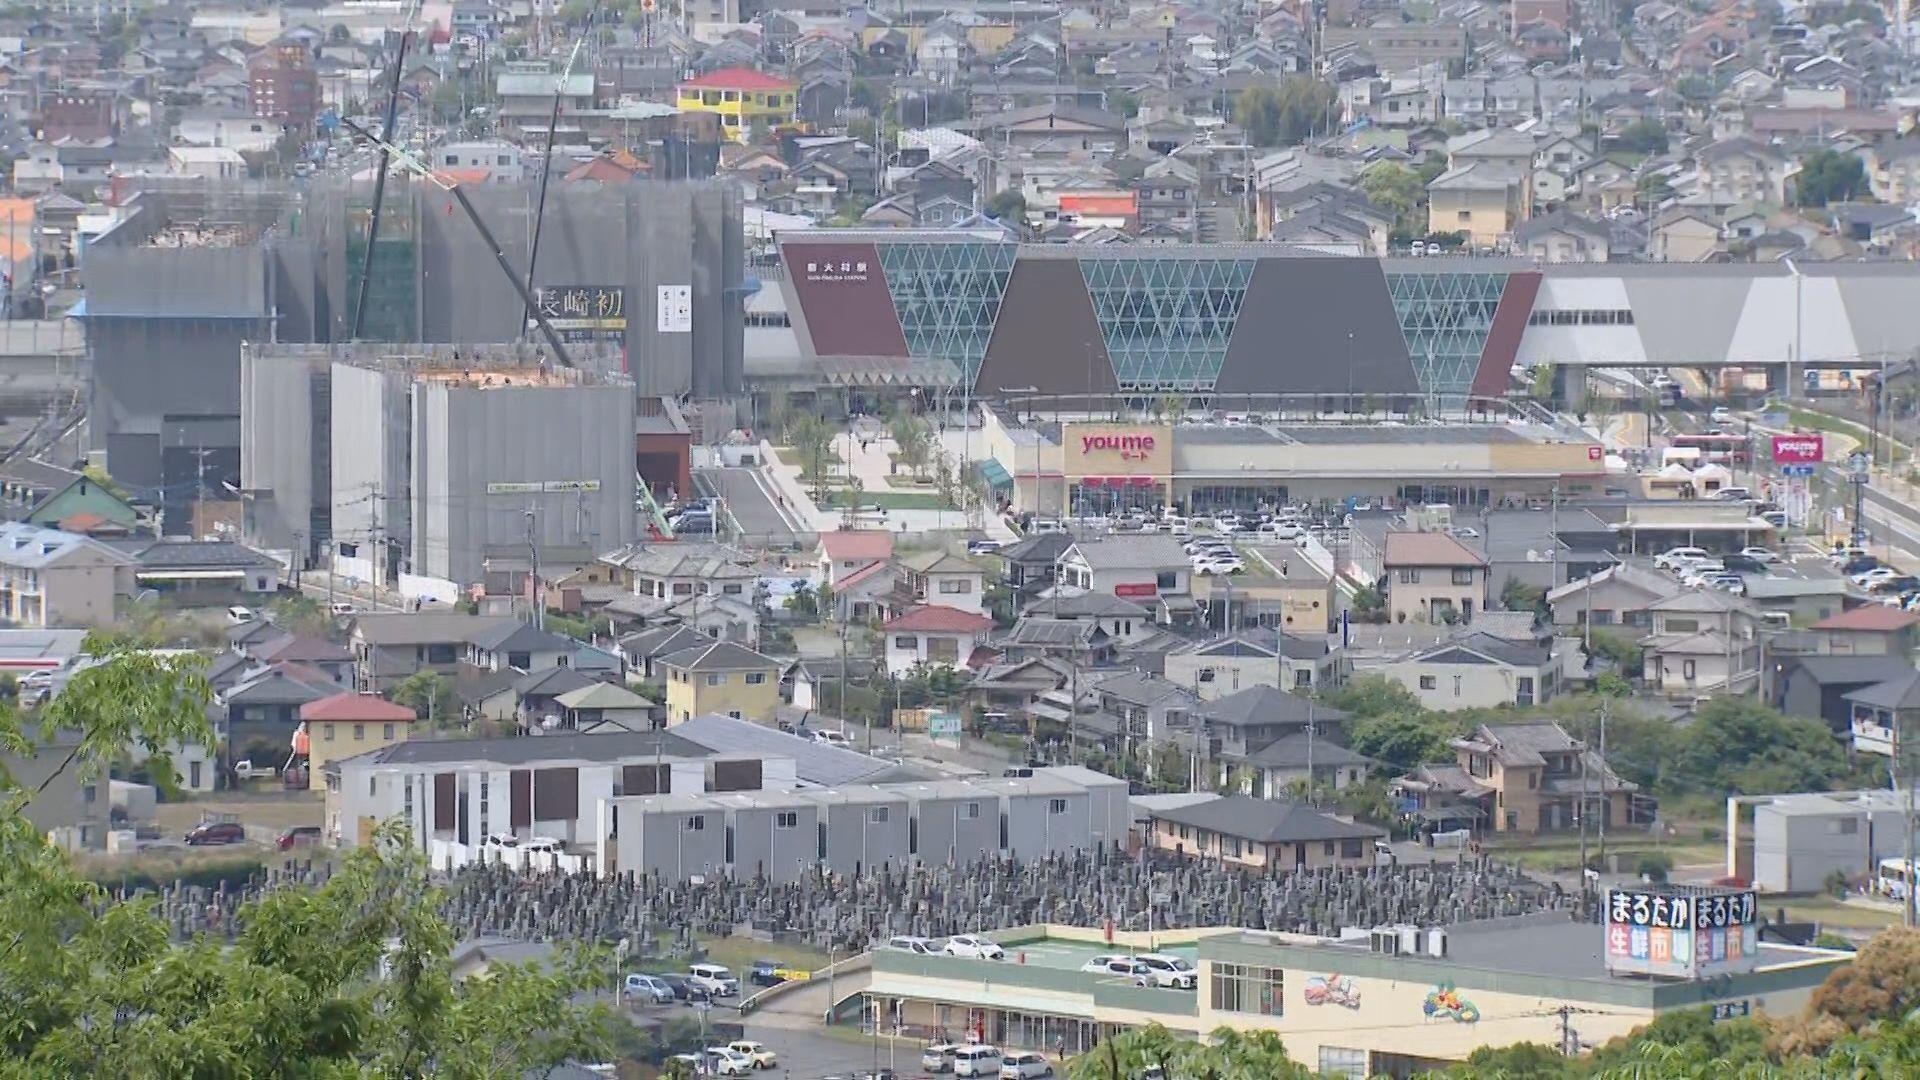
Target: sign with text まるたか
{"x":1682,"y":933}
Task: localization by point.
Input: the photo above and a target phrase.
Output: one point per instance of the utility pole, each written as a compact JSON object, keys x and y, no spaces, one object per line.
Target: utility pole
{"x":1606,"y":798}
{"x":299,"y":559}
{"x":1584,"y":796}
{"x":376,"y":543}
{"x":533,"y":571}
{"x":843,"y":676}
{"x":1903,"y":777}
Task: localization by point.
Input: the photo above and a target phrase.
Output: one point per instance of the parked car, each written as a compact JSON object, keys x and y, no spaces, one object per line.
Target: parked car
{"x":1171,"y":972}
{"x":1741,"y":564}
{"x":214,"y":833}
{"x":938,"y":1058}
{"x":1859,"y":566}
{"x":918,"y":946}
{"x":715,"y":979}
{"x":1046,"y":525}
{"x":1846,"y":553}
{"x":977,"y":1060}
{"x":1226,"y":523}
{"x":684,"y":989}
{"x":247,"y":770}
{"x":982,"y":547}
{"x":1872,"y":574}
{"x":649,"y":988}
{"x":1760,"y":555}
{"x":1230,"y":565}
{"x":1733,"y":494}
{"x":297,"y":837}
{"x":1732,"y":583}
{"x":830,"y":737}
{"x":765,"y":973}
{"x":974,"y":947}
{"x":726,"y":1061}
{"x":755,"y":1052}
{"x":1898,"y":584}
{"x":1276,"y":531}
{"x":1024,"y":1066}
{"x":1721,"y":415}
{"x":237,"y":615}
{"x":1673,"y":558}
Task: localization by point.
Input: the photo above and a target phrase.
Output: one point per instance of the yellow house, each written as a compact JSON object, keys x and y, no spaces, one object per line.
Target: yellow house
{"x":348,"y":725}
{"x":739,"y":96}
{"x":720,"y":678}
{"x":1481,"y":199}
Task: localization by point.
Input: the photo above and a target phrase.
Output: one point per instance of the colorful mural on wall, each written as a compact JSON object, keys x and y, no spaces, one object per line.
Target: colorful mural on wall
{"x":1445,"y":1003}
{"x":1332,"y":989}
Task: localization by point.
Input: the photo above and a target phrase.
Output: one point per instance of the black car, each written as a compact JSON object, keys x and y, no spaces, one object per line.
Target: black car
{"x":683,"y":990}
{"x":1743,"y":564}
{"x":1859,"y":565}
{"x":1900,"y":584}
{"x":765,"y":973}
{"x":210,"y":833}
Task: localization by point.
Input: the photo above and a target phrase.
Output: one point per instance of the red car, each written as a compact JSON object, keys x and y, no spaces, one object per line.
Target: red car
{"x":210,"y":833}
{"x":299,"y":836}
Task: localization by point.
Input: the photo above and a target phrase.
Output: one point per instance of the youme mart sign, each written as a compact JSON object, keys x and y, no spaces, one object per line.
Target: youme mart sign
{"x":1117,"y":449}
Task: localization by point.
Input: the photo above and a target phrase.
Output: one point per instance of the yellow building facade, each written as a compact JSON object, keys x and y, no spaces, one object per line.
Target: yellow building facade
{"x":348,"y":725}
{"x":739,"y":97}
{"x":721,"y":678}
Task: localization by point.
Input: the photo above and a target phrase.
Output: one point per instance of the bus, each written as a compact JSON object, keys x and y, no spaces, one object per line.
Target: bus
{"x":1729,"y":450}
{"x":1892,"y":879}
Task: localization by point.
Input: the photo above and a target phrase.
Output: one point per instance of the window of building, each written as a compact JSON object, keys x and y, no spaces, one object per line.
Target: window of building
{"x":973,"y":811}
{"x":956,"y":588}
{"x":502,"y":160}
{"x":1352,"y":849}
{"x":1166,"y":580}
{"x":1429,"y":682}
{"x":1848,"y":826}
{"x":1409,"y":575}
{"x":905,"y":641}
{"x":786,"y":819}
{"x":406,"y":795}
{"x":1466,"y":216}
{"x":730,"y":590}
{"x":1326,"y":849}
{"x":1343,"y":1062}
{"x":1688,"y":669}
{"x":877,"y":815}
{"x":1247,"y":988}
{"x":716,"y":680}
{"x":696,"y":822}
{"x":386,"y":732}
{"x":1056,"y":806}
{"x":683,"y":588}
{"x":359,"y":733}
{"x":1457,"y":682}
{"x":328,"y":737}
{"x":520,"y":660}
{"x":1463,"y":576}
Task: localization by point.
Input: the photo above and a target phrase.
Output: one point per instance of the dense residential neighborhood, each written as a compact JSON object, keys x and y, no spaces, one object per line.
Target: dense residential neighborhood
{"x":1028,"y":538}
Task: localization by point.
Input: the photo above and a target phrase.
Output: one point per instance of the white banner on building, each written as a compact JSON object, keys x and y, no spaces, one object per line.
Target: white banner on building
{"x":676,"y":309}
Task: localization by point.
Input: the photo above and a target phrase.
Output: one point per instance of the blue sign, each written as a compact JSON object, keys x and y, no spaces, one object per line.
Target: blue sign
{"x":1797,"y":470}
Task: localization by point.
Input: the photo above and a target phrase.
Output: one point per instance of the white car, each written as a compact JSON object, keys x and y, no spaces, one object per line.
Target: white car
{"x":1099,"y":965}
{"x":1169,"y":972}
{"x":1878,"y":573}
{"x":1218,"y":566}
{"x":938,"y":1058}
{"x":975,"y":947}
{"x":1274,"y":530}
{"x":1673,"y":558}
{"x":715,"y":979}
{"x":1226,"y":523}
{"x":726,"y":1061}
{"x":1760,"y":554}
{"x":830,"y":737}
{"x":1721,"y":415}
{"x":757,"y":1053}
{"x":918,"y":946}
{"x":1024,"y":1066}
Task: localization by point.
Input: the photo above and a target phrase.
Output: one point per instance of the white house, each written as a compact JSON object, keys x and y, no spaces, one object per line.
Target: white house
{"x":934,"y":635}
{"x":936,"y":577}
{"x":206,"y":162}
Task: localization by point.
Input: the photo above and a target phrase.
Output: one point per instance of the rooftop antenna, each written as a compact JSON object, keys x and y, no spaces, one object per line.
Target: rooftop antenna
{"x":546,"y":158}
{"x":418,"y":168}
{"x":380,"y":175}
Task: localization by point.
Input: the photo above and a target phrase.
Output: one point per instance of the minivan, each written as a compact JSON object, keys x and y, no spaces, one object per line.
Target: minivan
{"x":977,"y":1061}
{"x":237,"y":615}
{"x":714,"y":979}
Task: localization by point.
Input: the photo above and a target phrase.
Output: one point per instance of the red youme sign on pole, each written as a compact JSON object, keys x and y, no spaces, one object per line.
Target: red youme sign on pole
{"x":1798,"y":449}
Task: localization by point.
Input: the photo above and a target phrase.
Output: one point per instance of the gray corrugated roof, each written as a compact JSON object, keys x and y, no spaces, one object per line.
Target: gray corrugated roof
{"x":1266,"y":821}
{"x":814,"y":763}
{"x":531,"y":750}
{"x":1148,"y":552}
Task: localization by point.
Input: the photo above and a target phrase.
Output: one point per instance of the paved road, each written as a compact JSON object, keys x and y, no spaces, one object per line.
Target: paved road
{"x":750,"y":501}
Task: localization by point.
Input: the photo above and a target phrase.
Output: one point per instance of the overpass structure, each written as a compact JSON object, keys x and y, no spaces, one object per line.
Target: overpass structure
{"x":1268,"y":319}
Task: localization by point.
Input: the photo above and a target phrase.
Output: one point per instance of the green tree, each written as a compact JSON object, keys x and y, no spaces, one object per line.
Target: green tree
{"x":1396,"y":188}
{"x":1286,"y":113}
{"x":1368,"y":696}
{"x":812,"y":439}
{"x":429,"y":695}
{"x":1009,"y":206}
{"x":1643,"y":137}
{"x":1517,"y":595}
{"x":1737,"y":746}
{"x":1829,"y":176}
{"x":300,"y":614}
{"x":349,"y":979}
{"x":913,"y":439}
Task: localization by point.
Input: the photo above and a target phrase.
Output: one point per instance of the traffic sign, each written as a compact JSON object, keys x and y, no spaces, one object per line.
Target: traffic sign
{"x":1796,"y":470}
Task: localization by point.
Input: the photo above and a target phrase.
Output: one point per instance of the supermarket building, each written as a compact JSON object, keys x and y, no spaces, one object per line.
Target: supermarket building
{"x":1345,"y":1008}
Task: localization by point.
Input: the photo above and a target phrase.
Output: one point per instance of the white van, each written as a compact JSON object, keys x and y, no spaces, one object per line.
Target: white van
{"x":237,"y":615}
{"x":977,"y":1061}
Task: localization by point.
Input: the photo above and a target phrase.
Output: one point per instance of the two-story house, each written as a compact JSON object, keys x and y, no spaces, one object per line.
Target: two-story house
{"x":1742,"y":170}
{"x":1476,"y":671}
{"x":1893,"y":171}
{"x":933,"y":635}
{"x":346,"y":725}
{"x":1524,"y":778}
{"x":1263,"y":739}
{"x":1704,"y":641}
{"x":1136,"y":709}
{"x":1029,"y":564}
{"x":937,"y":577}
{"x":1617,"y":597}
{"x":389,"y":646}
{"x":1150,"y":569}
{"x":1868,"y":630}
{"x":723,"y":678}
{"x":53,"y":578}
{"x":1223,"y":666}
{"x":1433,"y":577}
{"x":1880,"y":712}
{"x":669,"y":573}
{"x":844,"y":552}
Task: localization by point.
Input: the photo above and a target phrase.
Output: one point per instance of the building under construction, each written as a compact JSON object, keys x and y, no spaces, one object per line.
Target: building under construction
{"x":193,"y":269}
{"x":435,"y":459}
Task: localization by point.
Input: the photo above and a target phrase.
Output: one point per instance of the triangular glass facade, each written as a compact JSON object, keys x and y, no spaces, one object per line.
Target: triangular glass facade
{"x":1445,"y":318}
{"x":947,"y":296}
{"x":1167,"y":321}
